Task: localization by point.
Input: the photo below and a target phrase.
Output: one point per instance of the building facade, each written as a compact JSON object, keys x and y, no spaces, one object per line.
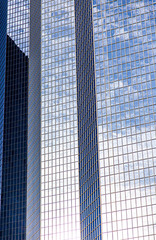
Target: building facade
{"x":14,"y":144}
{"x":77,"y":107}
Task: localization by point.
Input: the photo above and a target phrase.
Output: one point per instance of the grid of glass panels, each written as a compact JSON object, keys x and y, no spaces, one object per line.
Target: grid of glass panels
{"x":60,"y":215}
{"x":14,"y":164}
{"x":18,"y":23}
{"x":90,"y":213}
{"x":125,"y":55}
{"x":34,"y":124}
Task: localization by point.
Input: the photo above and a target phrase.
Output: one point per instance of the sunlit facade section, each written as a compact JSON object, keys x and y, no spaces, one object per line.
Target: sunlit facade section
{"x":60,"y":214}
{"x":125,"y":58}
{"x":18,"y":20}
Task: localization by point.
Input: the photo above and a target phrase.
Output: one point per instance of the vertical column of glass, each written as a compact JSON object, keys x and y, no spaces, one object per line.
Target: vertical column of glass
{"x":13,"y":208}
{"x":125,"y":55}
{"x":60,"y":216}
{"x":14,"y":169}
{"x":3,"y":29}
{"x":34,"y":124}
{"x":90,"y":213}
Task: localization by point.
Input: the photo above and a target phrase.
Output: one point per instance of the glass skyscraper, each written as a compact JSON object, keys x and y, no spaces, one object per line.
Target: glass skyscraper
{"x":77,"y":119}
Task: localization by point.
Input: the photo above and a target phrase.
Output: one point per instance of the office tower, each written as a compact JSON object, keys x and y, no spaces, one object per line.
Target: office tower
{"x":14,"y":148}
{"x":91,"y":117}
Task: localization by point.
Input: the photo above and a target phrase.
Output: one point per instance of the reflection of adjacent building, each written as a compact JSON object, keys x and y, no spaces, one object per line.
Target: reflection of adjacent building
{"x":14,"y":163}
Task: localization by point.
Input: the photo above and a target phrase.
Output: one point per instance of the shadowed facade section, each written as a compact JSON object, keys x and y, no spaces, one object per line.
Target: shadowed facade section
{"x":14,"y":177}
{"x":90,"y":214}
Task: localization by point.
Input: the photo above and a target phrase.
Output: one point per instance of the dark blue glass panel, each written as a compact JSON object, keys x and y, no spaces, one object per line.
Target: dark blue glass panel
{"x":3,"y":25}
{"x":87,"y":123}
{"x":14,"y":174}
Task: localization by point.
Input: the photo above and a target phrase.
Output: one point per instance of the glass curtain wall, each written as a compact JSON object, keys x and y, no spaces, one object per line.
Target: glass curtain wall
{"x":14,"y":162}
{"x":60,"y":214}
{"x":125,"y":58}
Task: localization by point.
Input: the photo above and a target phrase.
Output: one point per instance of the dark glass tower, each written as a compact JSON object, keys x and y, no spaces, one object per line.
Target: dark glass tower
{"x":19,"y":134}
{"x":14,"y":165}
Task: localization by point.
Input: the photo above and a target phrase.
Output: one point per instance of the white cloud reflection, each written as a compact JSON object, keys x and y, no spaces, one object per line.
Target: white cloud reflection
{"x":126,"y":117}
{"x":18,"y":23}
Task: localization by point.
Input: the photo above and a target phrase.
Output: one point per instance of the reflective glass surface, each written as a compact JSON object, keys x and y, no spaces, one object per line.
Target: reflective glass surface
{"x":91,"y":129}
{"x":18,"y":19}
{"x":87,"y":123}
{"x":125,"y":55}
{"x":14,"y":162}
{"x":3,"y":29}
{"x":60,"y":215}
{"x":14,"y":165}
